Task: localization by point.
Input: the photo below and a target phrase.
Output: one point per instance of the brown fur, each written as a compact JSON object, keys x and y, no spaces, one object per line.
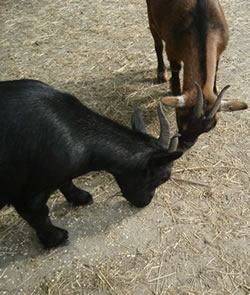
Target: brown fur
{"x":171,"y":21}
{"x":195,"y":34}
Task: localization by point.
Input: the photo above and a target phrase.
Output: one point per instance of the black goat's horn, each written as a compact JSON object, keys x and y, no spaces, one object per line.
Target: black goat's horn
{"x":164,"y":127}
{"x":217,"y":103}
{"x":198,"y":109}
{"x":174,"y":143}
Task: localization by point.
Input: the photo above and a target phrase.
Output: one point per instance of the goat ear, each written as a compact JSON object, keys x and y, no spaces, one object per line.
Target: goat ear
{"x":230,"y":106}
{"x":162,"y":158}
{"x":180,"y":101}
{"x":137,"y":121}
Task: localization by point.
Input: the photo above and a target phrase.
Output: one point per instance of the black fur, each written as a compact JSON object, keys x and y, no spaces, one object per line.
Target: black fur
{"x":48,"y":137}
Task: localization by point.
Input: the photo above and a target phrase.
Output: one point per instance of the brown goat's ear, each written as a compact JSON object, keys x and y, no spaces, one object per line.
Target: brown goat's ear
{"x":230,"y":106}
{"x":180,"y":101}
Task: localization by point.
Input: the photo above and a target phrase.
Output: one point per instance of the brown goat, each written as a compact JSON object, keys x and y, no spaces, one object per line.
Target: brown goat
{"x":195,"y":33}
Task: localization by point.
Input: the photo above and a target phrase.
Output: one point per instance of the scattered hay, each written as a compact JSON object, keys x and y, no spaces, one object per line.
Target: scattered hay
{"x":194,"y":237}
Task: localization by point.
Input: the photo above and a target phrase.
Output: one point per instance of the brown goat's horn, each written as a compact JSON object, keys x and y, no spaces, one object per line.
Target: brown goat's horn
{"x":174,"y":143}
{"x":217,"y":103}
{"x":200,"y":101}
{"x":164,"y":127}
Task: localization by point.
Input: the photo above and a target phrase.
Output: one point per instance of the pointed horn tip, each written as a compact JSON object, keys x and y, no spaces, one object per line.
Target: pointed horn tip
{"x":219,"y":98}
{"x":226,"y":87}
{"x":176,"y":135}
{"x":138,"y":110}
{"x":223,"y":90}
{"x":198,"y":86}
{"x":160,"y":110}
{"x":217,"y":105}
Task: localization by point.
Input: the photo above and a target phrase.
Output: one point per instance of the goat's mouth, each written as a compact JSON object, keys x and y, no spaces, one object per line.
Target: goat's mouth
{"x":186,"y":144}
{"x":142,"y":201}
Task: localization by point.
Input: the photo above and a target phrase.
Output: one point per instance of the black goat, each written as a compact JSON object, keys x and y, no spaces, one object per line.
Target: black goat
{"x":48,"y":137}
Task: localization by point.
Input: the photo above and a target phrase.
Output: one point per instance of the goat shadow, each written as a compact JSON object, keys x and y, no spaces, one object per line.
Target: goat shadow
{"x":19,"y":241}
{"x":120,"y":94}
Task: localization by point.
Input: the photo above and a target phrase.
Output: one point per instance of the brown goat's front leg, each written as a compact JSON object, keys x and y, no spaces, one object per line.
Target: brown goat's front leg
{"x":175,"y":80}
{"x":161,"y":74}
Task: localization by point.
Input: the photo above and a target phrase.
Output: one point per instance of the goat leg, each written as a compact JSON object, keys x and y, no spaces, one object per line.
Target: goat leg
{"x":175,"y":80}
{"x":36,"y":213}
{"x":75,"y":195}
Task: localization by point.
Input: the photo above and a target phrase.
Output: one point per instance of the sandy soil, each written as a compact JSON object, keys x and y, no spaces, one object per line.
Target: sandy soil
{"x":194,"y":238}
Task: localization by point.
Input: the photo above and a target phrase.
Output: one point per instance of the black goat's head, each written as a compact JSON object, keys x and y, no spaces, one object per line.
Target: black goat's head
{"x":154,"y":167}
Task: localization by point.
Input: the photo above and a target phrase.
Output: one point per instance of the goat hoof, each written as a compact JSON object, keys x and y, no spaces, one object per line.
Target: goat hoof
{"x":76,"y":196}
{"x":54,"y":237}
{"x":80,"y":198}
{"x":162,"y":77}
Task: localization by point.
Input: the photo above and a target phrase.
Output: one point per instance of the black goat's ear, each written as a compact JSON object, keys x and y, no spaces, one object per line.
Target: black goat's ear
{"x":174,"y":155}
{"x":163,"y":158}
{"x":137,"y":121}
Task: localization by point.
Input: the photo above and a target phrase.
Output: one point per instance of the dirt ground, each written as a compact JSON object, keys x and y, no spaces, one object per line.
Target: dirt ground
{"x":194,"y":238}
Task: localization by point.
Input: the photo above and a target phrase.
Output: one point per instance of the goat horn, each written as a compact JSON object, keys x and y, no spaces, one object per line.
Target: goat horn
{"x":164,"y":127}
{"x":174,"y":143}
{"x":200,"y":101}
{"x":217,"y":103}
